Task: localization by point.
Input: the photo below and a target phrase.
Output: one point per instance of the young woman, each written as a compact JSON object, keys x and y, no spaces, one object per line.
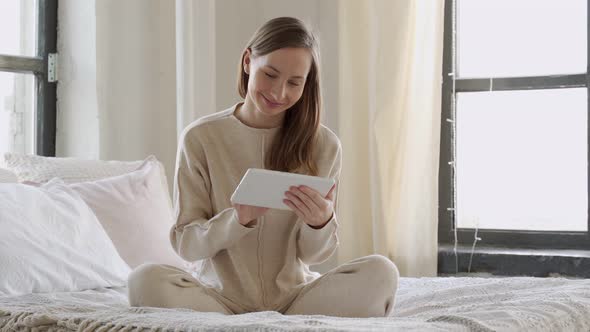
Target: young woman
{"x":253,"y":258}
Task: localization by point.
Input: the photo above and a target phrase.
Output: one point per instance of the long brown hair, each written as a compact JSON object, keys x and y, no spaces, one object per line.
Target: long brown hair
{"x":293,"y":148}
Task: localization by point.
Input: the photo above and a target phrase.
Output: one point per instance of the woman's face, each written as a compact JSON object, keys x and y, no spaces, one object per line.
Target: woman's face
{"x":277,"y":79}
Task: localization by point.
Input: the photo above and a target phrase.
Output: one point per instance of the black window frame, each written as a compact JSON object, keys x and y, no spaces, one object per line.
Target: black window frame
{"x":493,"y":237}
{"x":45,"y":108}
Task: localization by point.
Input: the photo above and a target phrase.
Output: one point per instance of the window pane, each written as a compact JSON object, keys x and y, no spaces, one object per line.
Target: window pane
{"x":506,"y":38}
{"x":17,"y":113}
{"x":18,"y":27}
{"x":522,"y":160}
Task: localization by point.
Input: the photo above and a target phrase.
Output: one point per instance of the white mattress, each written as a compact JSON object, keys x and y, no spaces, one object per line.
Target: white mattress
{"x":434,"y":304}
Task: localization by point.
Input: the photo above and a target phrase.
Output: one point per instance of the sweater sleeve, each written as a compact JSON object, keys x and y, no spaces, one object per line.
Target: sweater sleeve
{"x":314,"y":246}
{"x":197,"y":233}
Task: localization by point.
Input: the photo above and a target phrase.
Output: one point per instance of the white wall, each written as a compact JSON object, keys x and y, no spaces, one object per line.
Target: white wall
{"x":136,"y":80}
{"x":117,"y":80}
{"x":195,"y":60}
{"x":77,"y":110}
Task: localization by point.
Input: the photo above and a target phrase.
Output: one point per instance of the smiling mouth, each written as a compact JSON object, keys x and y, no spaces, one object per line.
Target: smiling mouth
{"x":273,"y":104}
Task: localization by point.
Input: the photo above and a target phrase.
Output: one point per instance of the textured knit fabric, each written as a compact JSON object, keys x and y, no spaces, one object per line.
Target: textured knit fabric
{"x":422,"y":304}
{"x":262,"y":267}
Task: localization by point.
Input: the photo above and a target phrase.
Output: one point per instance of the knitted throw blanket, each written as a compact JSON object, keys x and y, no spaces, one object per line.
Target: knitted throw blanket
{"x":433,"y":304}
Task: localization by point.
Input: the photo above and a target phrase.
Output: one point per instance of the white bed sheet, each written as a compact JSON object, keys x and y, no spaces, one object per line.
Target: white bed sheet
{"x":433,"y":304}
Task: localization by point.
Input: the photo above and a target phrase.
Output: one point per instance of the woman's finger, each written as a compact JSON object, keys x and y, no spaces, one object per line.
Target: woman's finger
{"x":294,"y":208}
{"x":295,"y":199}
{"x":309,"y":197}
{"x":316,"y":197}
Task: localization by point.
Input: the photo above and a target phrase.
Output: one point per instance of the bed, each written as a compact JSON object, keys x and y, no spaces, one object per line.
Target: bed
{"x":71,"y":274}
{"x":433,"y":304}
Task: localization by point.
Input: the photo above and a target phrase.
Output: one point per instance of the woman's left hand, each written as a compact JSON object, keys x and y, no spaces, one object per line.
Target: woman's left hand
{"x":309,"y":205}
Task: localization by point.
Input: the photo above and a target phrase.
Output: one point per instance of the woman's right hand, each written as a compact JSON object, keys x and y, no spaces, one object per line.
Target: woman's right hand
{"x":248,"y":214}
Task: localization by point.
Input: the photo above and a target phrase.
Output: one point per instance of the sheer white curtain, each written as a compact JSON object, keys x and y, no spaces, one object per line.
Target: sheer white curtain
{"x":389,"y":124}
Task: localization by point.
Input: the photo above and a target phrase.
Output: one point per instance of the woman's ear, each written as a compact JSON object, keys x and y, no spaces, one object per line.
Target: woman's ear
{"x":246,"y":59}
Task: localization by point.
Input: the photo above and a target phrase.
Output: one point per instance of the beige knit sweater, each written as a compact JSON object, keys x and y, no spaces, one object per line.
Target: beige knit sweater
{"x":258,"y":268}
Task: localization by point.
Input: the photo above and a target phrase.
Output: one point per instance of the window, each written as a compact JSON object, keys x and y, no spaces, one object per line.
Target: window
{"x":28,"y":34}
{"x":514,"y":136}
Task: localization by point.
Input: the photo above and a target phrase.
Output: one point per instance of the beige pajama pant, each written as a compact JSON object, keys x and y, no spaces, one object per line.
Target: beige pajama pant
{"x":364,"y":287}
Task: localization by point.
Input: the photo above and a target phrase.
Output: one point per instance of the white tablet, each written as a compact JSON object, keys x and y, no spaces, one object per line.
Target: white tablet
{"x":265,"y":188}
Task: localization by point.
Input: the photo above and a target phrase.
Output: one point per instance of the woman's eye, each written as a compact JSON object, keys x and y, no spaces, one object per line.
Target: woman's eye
{"x":269,"y":75}
{"x":293,"y":84}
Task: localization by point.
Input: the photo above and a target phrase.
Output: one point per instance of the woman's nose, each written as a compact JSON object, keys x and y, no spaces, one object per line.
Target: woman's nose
{"x":278,"y":92}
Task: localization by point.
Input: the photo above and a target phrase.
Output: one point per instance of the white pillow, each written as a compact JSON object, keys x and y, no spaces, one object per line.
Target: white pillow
{"x":51,"y":241}
{"x":134,"y":210}
{"x":42,"y":169}
{"x":7,"y":176}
